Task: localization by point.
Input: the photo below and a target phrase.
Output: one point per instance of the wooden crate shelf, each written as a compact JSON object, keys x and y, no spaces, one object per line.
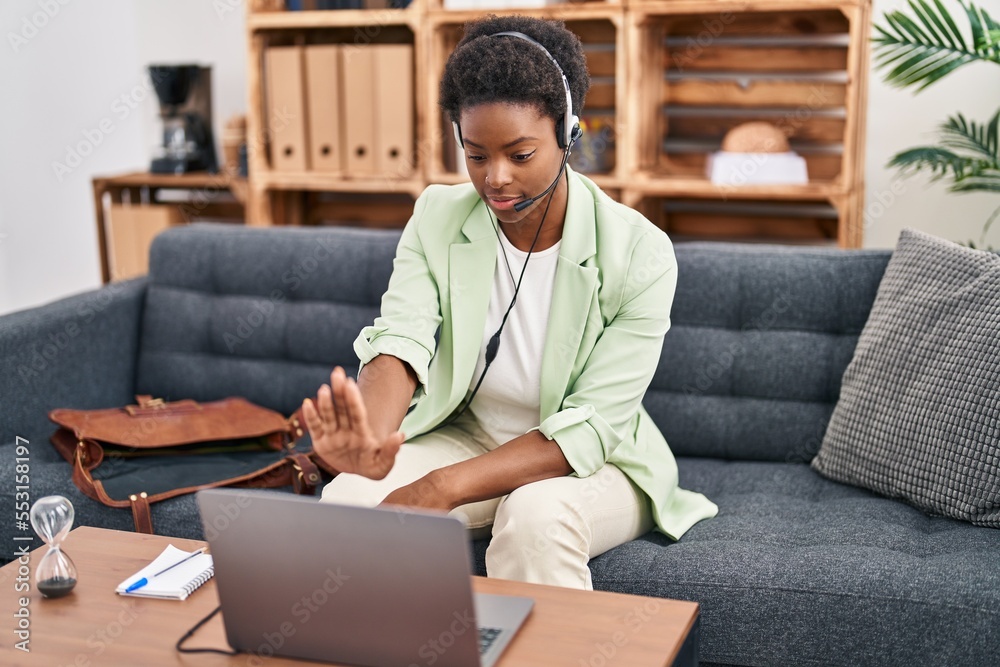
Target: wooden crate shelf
{"x":319,"y":182}
{"x":669,"y":79}
{"x":742,"y":219}
{"x":271,"y":193}
{"x":341,"y":18}
{"x":795,"y":65}
{"x":370,"y":210}
{"x":562,"y":12}
{"x":702,"y":188}
{"x":719,"y":7}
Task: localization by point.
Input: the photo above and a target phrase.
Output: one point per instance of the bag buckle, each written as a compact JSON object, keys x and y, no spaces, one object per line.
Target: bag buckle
{"x":81,"y":453}
{"x":303,"y":479}
{"x":146,"y":405}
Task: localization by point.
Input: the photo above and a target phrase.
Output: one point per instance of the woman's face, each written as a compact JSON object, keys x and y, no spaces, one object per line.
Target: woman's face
{"x":512,"y":155}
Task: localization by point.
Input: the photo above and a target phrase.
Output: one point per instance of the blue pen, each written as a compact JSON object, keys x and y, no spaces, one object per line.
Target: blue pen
{"x":142,"y":582}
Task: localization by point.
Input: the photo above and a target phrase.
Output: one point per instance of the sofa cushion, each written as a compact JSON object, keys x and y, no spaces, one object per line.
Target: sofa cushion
{"x":760,"y":337}
{"x":919,"y":412}
{"x":798,"y":569}
{"x":259,"y":313}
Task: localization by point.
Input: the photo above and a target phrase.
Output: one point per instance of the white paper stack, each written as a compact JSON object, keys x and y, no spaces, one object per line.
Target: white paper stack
{"x":735,"y":169}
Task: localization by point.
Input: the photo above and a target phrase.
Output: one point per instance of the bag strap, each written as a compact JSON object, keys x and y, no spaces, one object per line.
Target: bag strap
{"x":298,"y":470}
{"x":142,"y":516}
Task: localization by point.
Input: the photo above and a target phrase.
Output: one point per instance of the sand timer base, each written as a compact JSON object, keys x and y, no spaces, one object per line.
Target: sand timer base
{"x":56,"y":587}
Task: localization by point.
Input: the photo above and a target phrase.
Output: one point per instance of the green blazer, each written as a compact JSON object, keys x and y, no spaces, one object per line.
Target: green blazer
{"x":614,"y":286}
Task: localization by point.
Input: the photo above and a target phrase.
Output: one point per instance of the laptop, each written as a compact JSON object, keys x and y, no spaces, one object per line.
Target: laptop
{"x":363,"y":586}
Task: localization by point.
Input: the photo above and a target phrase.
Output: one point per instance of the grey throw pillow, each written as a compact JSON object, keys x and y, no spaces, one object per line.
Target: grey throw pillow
{"x":919,"y":410}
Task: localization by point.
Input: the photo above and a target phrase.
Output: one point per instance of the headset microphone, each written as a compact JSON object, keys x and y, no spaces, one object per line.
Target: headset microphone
{"x":521,"y":205}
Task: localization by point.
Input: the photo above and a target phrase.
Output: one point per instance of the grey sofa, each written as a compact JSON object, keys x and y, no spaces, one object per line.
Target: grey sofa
{"x":795,"y":570}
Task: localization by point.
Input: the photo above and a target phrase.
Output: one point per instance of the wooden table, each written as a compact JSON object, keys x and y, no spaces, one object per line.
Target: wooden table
{"x":93,"y":626}
{"x":141,"y":186}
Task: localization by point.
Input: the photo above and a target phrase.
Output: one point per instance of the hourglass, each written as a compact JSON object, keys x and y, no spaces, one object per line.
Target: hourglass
{"x":52,"y":517}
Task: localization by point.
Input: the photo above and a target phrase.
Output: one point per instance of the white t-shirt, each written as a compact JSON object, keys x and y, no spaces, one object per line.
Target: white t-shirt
{"x":507,"y":404}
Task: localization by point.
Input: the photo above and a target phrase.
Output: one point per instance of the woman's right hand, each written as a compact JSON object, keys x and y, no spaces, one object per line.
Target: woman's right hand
{"x":341,"y":434}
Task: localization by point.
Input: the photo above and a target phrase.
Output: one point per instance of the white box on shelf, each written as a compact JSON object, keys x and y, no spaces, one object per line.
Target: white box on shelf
{"x":726,"y":168}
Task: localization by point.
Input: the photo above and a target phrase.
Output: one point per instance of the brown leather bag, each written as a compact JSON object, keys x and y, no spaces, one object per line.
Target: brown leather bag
{"x":154,"y":440}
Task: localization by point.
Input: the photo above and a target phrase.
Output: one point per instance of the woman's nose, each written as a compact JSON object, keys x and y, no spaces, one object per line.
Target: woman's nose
{"x":498,"y":176}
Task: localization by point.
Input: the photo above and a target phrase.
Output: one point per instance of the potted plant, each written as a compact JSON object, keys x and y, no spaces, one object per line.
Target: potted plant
{"x":921,"y":49}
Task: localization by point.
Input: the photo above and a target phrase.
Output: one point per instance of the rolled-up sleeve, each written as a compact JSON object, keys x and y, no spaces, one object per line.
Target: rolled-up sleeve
{"x":603,"y":402}
{"x":411,"y":309}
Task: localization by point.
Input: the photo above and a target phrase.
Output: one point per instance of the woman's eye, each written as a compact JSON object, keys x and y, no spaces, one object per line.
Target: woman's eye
{"x":521,"y":157}
{"x":476,"y":158}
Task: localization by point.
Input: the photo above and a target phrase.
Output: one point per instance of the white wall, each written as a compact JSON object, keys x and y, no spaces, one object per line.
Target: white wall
{"x":203,"y":32}
{"x":71,"y":73}
{"x":66,"y":79}
{"x":59,"y":84}
{"x":899,"y":119}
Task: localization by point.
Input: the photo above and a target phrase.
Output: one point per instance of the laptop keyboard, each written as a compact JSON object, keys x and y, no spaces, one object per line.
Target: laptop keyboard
{"x":486,"y":638}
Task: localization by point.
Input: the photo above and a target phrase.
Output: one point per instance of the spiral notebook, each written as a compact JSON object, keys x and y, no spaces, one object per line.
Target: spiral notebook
{"x":174,"y":584}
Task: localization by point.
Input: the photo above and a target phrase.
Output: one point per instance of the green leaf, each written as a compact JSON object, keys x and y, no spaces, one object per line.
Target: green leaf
{"x":993,"y":134}
{"x":968,"y":155}
{"x":922,"y":51}
{"x":938,"y":69}
{"x":939,"y":161}
{"x":977,"y":184}
{"x":960,"y":134}
{"x":919,"y":36}
{"x":946,"y":17}
{"x":978,"y":30}
{"x":921,"y":67}
{"x":931,"y":22}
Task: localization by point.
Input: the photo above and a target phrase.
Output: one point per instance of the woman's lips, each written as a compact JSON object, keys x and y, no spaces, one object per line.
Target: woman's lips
{"x":503,"y":203}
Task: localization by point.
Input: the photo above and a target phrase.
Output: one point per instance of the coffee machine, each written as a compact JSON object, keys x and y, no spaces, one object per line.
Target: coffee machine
{"x":185,"y":94}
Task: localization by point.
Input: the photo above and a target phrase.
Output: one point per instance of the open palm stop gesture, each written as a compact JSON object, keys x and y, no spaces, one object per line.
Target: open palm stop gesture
{"x":341,"y":433}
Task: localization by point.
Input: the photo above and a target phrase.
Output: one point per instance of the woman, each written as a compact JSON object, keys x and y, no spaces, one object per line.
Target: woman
{"x":563,"y":295}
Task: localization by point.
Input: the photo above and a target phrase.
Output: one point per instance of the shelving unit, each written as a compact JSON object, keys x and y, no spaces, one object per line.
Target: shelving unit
{"x":671,"y":77}
{"x":799,"y":65}
{"x":281,"y":197}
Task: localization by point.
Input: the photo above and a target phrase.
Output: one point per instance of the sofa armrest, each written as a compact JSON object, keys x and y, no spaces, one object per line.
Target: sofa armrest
{"x":76,"y":352}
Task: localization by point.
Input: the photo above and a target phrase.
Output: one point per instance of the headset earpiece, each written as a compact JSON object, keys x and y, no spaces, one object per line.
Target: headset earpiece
{"x":576,"y":132}
{"x":567,"y":139}
{"x":458,"y":134}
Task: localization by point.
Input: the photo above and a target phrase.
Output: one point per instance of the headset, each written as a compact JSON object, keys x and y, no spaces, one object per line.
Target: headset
{"x":568,"y":127}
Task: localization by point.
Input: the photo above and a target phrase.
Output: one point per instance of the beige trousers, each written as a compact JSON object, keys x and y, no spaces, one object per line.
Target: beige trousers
{"x":545,"y":532}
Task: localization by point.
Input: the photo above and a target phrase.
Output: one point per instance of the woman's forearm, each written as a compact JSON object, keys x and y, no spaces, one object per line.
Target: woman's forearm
{"x":387,"y":385}
{"x":528,"y":458}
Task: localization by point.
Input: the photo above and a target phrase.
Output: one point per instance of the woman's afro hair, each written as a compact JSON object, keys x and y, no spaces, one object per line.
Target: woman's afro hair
{"x":485,"y":69}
